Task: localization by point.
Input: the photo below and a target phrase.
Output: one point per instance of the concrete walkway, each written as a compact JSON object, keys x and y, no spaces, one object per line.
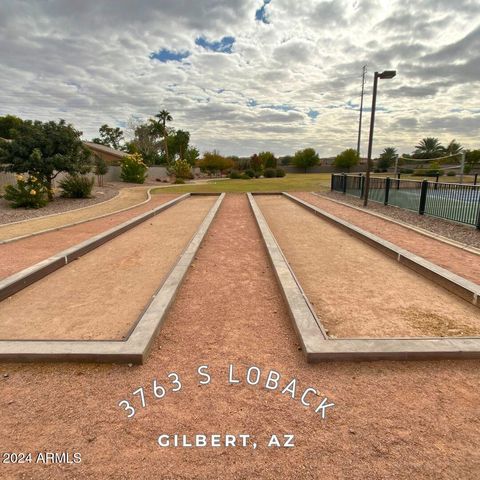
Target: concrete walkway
{"x":127,"y":198}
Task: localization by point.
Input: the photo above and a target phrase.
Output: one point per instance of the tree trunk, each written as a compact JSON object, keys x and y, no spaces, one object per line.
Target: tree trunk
{"x":49,"y":188}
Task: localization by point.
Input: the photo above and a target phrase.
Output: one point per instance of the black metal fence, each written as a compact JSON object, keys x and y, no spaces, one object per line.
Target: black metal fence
{"x":452,"y":201}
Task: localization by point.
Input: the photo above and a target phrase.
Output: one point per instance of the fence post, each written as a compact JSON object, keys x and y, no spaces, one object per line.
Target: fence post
{"x":362,"y":186}
{"x":387,"y":190}
{"x":398,"y":181}
{"x":423,"y":197}
{"x":436,"y":181}
{"x":475,"y":179}
{"x":344,"y":184}
{"x":332,"y":179}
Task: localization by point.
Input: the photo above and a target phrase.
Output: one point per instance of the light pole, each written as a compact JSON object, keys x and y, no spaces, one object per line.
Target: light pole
{"x":384,"y":75}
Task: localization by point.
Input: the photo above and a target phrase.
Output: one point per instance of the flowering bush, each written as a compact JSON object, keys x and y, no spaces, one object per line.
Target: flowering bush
{"x":134,"y":170}
{"x":28,"y":193}
{"x":181,"y":169}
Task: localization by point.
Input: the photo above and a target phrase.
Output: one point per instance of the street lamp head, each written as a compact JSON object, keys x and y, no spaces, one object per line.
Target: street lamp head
{"x":387,"y":74}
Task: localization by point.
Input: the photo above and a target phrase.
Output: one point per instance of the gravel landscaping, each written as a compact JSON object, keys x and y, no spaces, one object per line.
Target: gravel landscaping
{"x":455,"y":231}
{"x":58,"y":205}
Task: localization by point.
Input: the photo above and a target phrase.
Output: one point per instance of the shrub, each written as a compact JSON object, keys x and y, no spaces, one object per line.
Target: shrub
{"x":213,"y":162}
{"x":406,"y":170}
{"x":179,"y":181}
{"x":134,"y":169}
{"x":235,"y":175}
{"x":244,"y":176}
{"x":77,"y":186}
{"x":270,"y":173}
{"x":28,"y":193}
{"x":451,"y":174}
{"x":181,"y":169}
{"x":280,"y":172}
{"x":250,"y":173}
{"x":421,"y":172}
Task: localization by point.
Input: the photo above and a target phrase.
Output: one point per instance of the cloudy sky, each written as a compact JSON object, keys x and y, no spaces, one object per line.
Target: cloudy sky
{"x":248,"y":75}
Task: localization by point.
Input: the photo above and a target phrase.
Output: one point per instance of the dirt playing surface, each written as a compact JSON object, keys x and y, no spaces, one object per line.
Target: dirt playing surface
{"x":102,"y":294}
{"x":127,"y":197}
{"x":398,"y":420}
{"x":356,"y":290}
{"x":459,"y":261}
{"x":20,"y":254}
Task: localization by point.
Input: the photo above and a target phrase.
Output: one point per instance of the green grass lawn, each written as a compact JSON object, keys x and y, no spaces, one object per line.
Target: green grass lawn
{"x":291,"y":182}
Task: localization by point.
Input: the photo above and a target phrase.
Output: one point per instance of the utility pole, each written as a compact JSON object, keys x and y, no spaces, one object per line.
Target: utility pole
{"x":364,"y":72}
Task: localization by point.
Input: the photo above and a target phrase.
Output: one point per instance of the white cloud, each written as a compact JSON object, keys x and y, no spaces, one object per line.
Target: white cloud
{"x":88,"y":62}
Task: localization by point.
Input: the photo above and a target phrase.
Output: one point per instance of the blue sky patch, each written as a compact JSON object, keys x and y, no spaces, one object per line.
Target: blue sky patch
{"x":313,"y":114}
{"x":260,"y":14}
{"x":283,"y":107}
{"x":251,"y":102}
{"x":165,"y":55}
{"x":223,"y":46}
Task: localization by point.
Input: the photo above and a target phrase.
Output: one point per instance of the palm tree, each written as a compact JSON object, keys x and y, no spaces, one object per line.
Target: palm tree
{"x":429,"y":147}
{"x":387,"y":158}
{"x":164,"y":117}
{"x":454,"y":148}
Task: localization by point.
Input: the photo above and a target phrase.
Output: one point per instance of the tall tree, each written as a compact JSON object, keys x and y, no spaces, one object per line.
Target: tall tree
{"x":268,"y":159}
{"x":9,"y":124}
{"x":192,"y":155}
{"x":347,"y":159}
{"x":110,"y":136}
{"x":429,"y":147}
{"x":45,"y":150}
{"x":164,"y":117}
{"x":454,"y":148}
{"x":387,"y":158}
{"x":182,"y":139}
{"x":306,"y":159}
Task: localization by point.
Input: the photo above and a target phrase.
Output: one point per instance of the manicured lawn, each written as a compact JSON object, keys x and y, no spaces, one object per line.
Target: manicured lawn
{"x":291,"y":182}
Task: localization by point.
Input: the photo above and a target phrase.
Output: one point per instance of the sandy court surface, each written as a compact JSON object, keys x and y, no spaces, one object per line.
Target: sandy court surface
{"x":356,"y":290}
{"x":391,"y":420}
{"x":101,"y":295}
{"x":21,"y":254}
{"x":126,"y":198}
{"x":456,"y":260}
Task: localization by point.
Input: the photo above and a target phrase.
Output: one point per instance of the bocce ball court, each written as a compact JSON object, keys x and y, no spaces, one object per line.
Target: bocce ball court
{"x":355,"y":289}
{"x":350,"y":295}
{"x":100,"y":295}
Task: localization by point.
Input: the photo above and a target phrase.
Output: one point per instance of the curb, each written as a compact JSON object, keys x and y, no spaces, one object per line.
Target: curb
{"x":421,"y":231}
{"x":28,"y":235}
{"x":452,"y":282}
{"x":136,"y":347}
{"x":317,"y":348}
{"x":16,"y":282}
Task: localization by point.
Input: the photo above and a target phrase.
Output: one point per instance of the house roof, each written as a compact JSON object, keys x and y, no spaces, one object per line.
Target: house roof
{"x":96,"y":147}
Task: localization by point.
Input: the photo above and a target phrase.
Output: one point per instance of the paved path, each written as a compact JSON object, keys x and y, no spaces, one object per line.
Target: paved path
{"x":459,"y":261}
{"x":128,"y":197}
